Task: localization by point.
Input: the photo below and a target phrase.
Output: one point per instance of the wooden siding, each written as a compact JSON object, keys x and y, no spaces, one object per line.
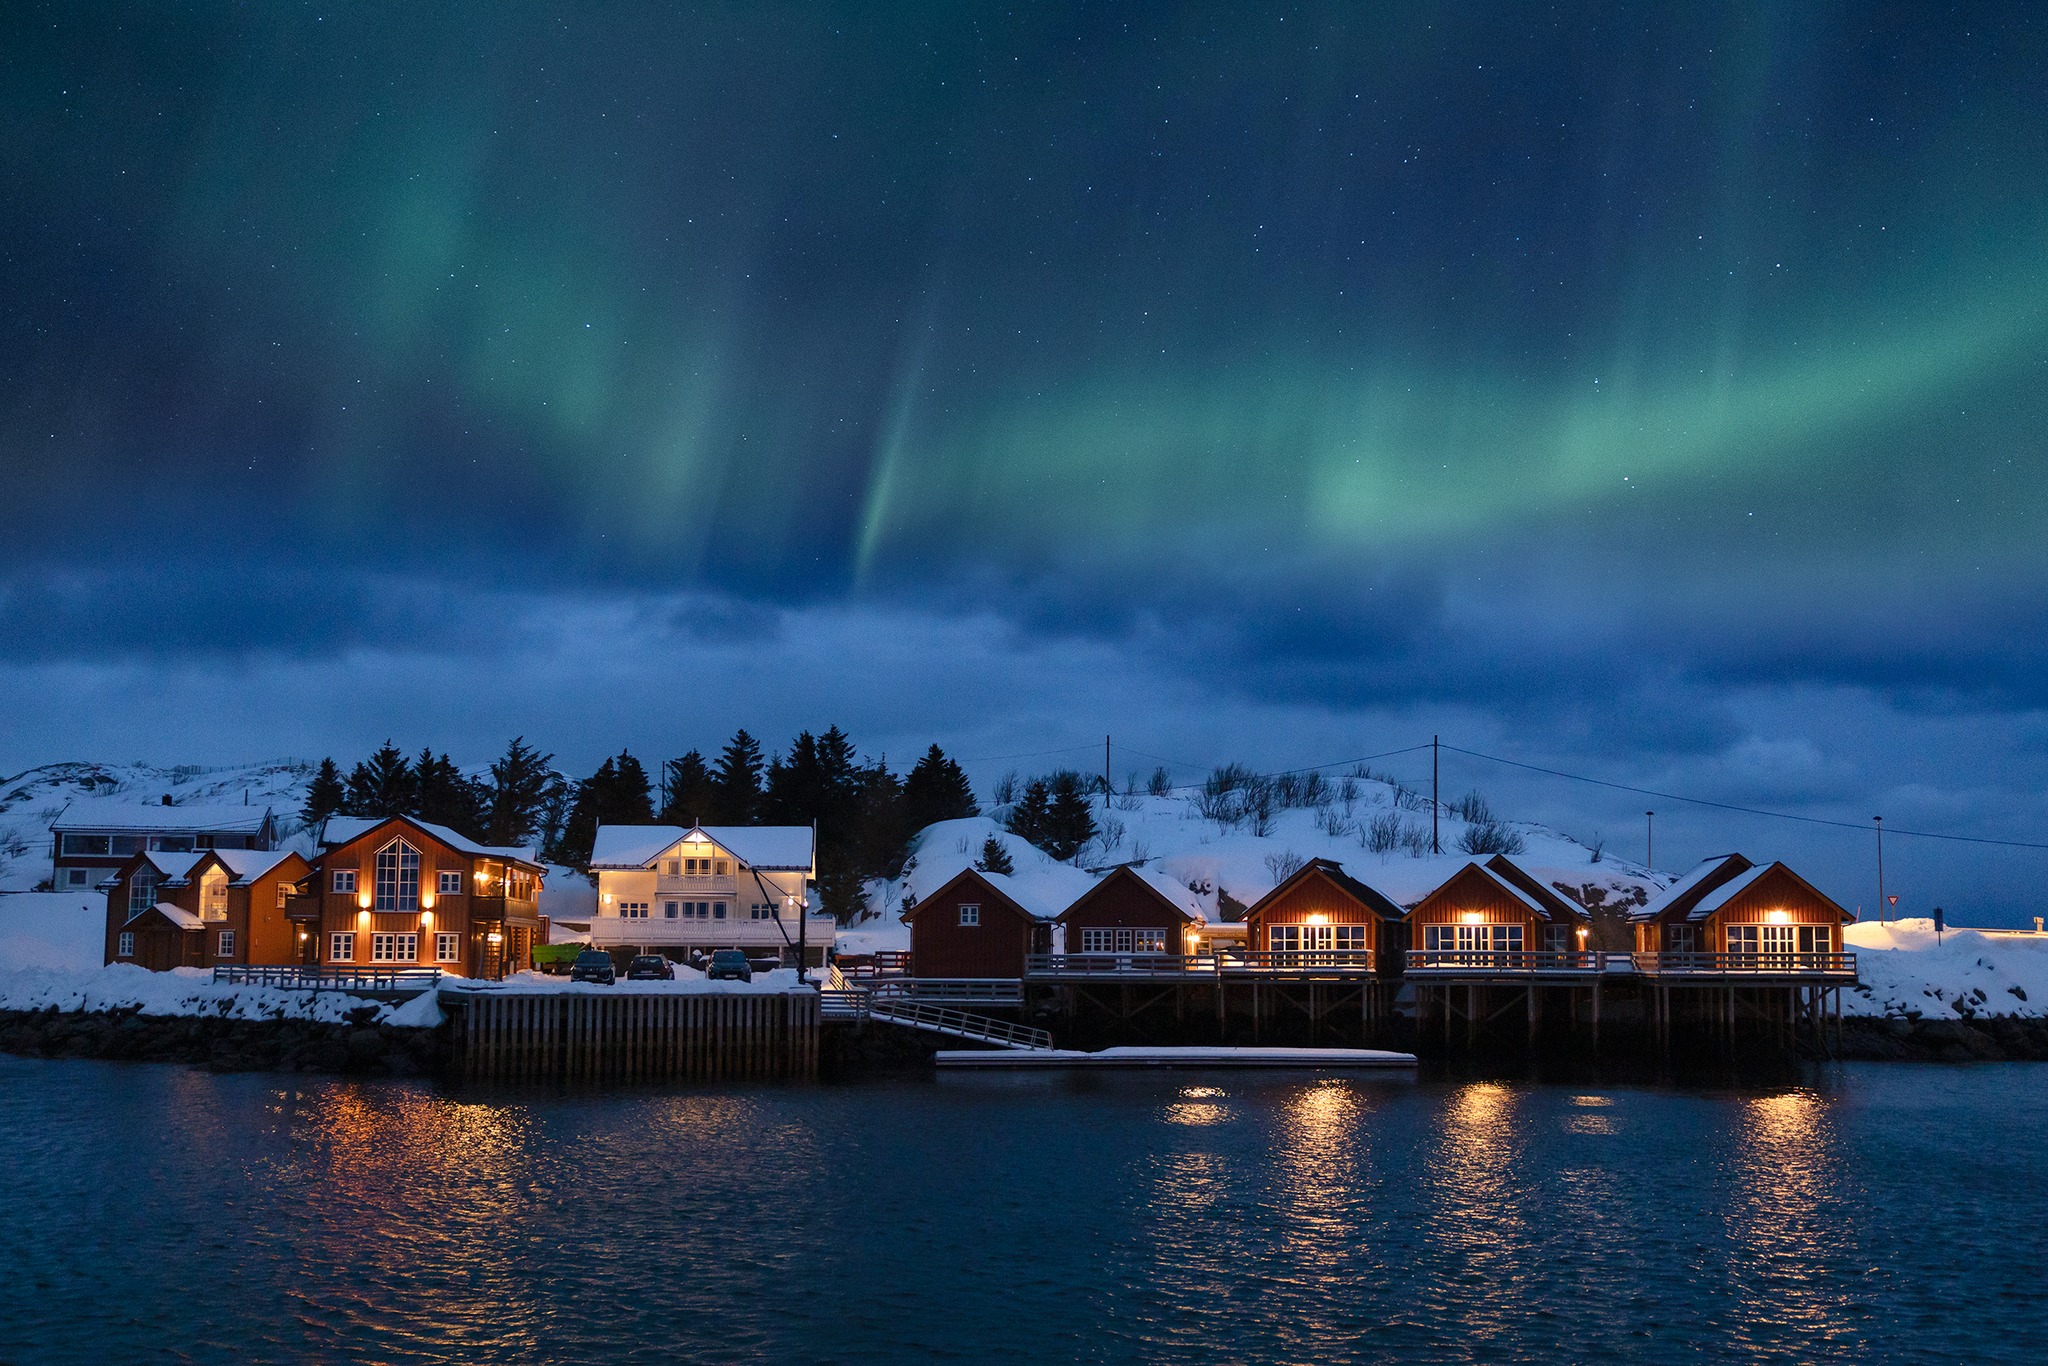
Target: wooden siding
{"x":1472,"y":892}
{"x":1123,"y":901}
{"x":466,"y":914}
{"x":940,"y":946}
{"x":1776,"y":890}
{"x":636,"y":1036}
{"x":1314,"y":895}
{"x":263,"y":935}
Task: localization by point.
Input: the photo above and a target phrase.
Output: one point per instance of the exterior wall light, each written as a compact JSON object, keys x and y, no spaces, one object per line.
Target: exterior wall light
{"x":363,"y":900}
{"x":1471,"y":917}
{"x":427,"y":918}
{"x":426,"y":901}
{"x":1318,"y":918}
{"x":494,"y":938}
{"x":1780,"y":917}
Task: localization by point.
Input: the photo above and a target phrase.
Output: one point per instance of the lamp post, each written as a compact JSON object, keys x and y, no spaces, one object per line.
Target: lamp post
{"x":1649,"y":839}
{"x":802,"y":913}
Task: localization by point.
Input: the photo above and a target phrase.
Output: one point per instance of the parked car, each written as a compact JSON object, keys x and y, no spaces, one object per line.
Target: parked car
{"x":730,"y":965}
{"x":594,"y":965}
{"x":650,"y":967}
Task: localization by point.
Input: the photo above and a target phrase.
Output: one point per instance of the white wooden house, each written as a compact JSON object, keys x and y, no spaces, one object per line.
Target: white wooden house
{"x":664,"y":889}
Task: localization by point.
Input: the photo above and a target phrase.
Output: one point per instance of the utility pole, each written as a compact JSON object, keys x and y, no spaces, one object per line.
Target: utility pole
{"x":1108,"y":787}
{"x":1435,"y":806}
{"x":1649,"y":839}
{"x":803,"y":917}
{"x":1882,"y":916}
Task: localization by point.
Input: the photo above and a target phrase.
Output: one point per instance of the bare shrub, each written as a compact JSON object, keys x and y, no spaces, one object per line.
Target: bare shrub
{"x":1258,"y":804}
{"x":1159,"y":784}
{"x":1333,"y":822}
{"x":1415,"y":840}
{"x":1284,"y":866}
{"x":1598,"y":846}
{"x":1005,"y":790}
{"x":1490,"y":837}
{"x":1382,"y":834}
{"x":1472,"y":807}
{"x":1347,"y":793}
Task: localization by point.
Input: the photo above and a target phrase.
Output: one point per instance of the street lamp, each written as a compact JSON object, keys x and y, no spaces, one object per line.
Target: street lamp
{"x":802,"y":944}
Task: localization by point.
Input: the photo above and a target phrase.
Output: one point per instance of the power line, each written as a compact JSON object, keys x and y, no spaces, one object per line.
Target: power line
{"x":1033,"y":754}
{"x":1744,"y":810}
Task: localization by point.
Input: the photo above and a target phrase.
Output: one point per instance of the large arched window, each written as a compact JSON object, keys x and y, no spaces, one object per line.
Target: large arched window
{"x":398,"y":877}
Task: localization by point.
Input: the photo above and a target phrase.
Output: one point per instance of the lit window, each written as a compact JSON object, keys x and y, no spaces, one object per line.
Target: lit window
{"x":970,"y":915}
{"x":450,"y":882}
{"x":341,"y":947}
{"x":398,"y":877}
{"x":447,"y":947}
{"x":284,"y":891}
{"x":126,"y":947}
{"x":344,"y":881}
{"x":227,"y":945}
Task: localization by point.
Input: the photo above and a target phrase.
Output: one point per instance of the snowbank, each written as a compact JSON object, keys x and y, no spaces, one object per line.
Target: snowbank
{"x":181,"y":991}
{"x":53,"y":930}
{"x":1907,"y":969}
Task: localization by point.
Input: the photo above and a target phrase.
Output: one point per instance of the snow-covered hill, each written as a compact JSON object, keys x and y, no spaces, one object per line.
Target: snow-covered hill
{"x":1229,"y":866}
{"x":30,"y":801}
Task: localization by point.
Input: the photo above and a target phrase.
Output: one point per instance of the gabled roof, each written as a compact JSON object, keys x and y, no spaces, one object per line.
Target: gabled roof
{"x":177,"y":915}
{"x":1680,"y":898}
{"x":1169,"y":893}
{"x":1008,"y":888}
{"x":110,"y":815}
{"x":1517,"y":884}
{"x":246,"y":865}
{"x":341,"y":830}
{"x":173,"y":866}
{"x":1518,"y":878}
{"x":771,"y":848}
{"x":1374,"y":900}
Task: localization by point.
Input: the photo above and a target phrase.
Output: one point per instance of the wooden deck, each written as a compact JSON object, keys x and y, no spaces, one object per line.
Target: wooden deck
{"x":1202,"y":968}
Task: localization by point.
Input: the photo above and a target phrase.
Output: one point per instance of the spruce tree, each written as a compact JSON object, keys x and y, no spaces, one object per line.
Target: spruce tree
{"x":518,"y":789}
{"x":1069,"y":822}
{"x":995,"y":858}
{"x":937,"y":790}
{"x":632,"y":801}
{"x":737,"y":782}
{"x":1031,"y":814}
{"x":325,"y":795}
{"x":445,"y":795}
{"x":692,"y":797}
{"x":382,"y":785}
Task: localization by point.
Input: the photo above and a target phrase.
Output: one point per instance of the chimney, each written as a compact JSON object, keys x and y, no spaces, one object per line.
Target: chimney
{"x":167,"y":799}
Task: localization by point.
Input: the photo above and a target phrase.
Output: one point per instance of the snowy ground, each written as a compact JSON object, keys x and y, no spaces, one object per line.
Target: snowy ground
{"x":1906,"y":970}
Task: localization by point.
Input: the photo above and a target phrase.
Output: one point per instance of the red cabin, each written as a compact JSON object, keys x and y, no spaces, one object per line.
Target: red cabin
{"x":979,"y":925}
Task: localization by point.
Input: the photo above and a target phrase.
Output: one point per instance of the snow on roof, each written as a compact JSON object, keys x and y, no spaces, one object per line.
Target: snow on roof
{"x":174,"y":865}
{"x":249,"y":864}
{"x":1727,"y":892}
{"x":777,"y":848}
{"x":177,"y":915}
{"x":340,"y":830}
{"x":108,"y":815}
{"x":1684,"y":887}
{"x":1176,"y":891}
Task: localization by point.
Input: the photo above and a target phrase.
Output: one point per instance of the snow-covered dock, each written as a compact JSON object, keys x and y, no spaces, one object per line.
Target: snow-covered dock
{"x":1318,"y":1058}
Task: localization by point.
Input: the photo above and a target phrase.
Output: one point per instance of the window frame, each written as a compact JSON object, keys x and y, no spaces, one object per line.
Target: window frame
{"x":343,"y":883}
{"x":403,"y":896}
{"x":970,"y":915}
{"x":341,"y":946}
{"x":447,"y":946}
{"x":124,"y":944}
{"x":448,"y":882}
{"x":224,"y":947}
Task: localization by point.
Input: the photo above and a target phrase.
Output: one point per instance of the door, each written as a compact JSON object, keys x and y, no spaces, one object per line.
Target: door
{"x":1777,"y":944}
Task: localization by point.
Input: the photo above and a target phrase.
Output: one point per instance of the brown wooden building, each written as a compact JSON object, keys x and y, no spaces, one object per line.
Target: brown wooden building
{"x":1131,"y":911}
{"x":399,"y":893}
{"x":1320,"y":909}
{"x":1497,"y":908}
{"x":205,"y":908}
{"x":977,"y":925}
{"x":1730,"y":906}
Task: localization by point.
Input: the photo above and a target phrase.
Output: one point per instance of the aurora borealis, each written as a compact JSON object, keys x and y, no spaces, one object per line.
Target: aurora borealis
{"x":1653,"y":391}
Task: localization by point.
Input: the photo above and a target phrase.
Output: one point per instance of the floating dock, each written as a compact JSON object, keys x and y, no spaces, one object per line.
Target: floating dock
{"x":1349,"y":1059}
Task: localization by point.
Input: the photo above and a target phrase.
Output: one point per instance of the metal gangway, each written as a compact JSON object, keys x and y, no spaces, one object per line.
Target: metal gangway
{"x":841,"y":1000}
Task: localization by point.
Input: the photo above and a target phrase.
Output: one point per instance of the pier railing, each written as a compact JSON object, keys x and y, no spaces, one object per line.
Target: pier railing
{"x":1183,"y":966}
{"x":1823,"y":965}
{"x":1487,"y":961}
{"x":366,"y":981}
{"x":987,"y":991}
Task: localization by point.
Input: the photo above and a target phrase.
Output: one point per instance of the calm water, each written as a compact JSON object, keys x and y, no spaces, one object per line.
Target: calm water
{"x":1875,"y":1213}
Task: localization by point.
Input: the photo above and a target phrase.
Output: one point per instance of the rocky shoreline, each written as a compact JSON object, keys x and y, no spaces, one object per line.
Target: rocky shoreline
{"x":359,"y":1047}
{"x":362,"y":1047}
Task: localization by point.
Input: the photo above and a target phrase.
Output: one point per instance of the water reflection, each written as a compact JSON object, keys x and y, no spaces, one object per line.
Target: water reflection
{"x":1789,"y":1217}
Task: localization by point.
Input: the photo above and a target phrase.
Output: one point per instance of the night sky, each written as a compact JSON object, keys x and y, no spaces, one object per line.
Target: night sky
{"x":1653,"y":392}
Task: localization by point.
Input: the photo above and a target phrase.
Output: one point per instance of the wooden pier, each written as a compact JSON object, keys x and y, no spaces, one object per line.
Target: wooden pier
{"x":633,"y":1036}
